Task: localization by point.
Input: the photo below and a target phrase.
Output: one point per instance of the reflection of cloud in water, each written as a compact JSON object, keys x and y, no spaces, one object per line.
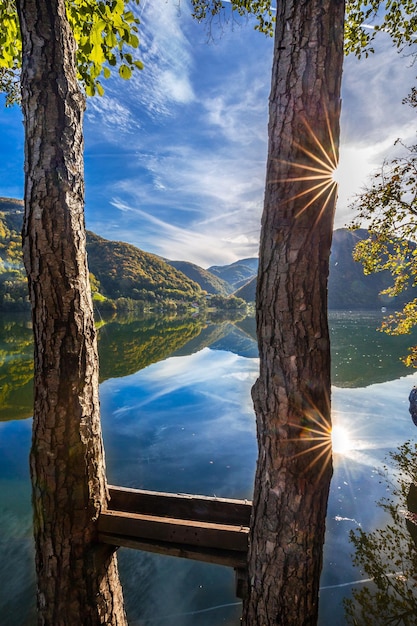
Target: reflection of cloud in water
{"x":205,"y":373}
{"x":186,"y":424}
{"x":339,"y":518}
{"x":377,"y":420}
{"x":376,"y":417}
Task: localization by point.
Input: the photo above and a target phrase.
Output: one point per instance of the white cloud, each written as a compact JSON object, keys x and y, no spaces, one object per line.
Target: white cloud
{"x":112,"y":116}
{"x":189,"y":243}
{"x":373,"y":90}
{"x":194,"y":205}
{"x":373,"y":117}
{"x":167,"y":57}
{"x":163,"y":83}
{"x":177,"y":87}
{"x":239,"y":110}
{"x":194,"y":122}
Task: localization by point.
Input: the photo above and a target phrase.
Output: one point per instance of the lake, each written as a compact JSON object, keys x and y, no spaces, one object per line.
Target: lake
{"x":177,"y":416}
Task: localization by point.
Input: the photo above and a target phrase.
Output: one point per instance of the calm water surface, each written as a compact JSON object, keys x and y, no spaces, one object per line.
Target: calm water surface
{"x":177,"y":416}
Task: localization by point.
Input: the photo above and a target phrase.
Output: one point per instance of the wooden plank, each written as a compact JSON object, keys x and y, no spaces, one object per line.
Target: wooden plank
{"x":181,"y":506}
{"x":241,"y":580}
{"x":172,"y":530}
{"x":227,"y":558}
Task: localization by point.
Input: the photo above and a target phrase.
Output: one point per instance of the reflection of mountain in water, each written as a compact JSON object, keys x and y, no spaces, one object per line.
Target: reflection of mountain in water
{"x":361,"y":355}
{"x":16,"y":367}
{"x":238,"y":342}
{"x":228,"y":336}
{"x":127,"y":346}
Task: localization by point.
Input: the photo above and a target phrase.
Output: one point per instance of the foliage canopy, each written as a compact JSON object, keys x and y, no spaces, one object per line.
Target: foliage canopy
{"x":389,"y":205}
{"x":105,"y":32}
{"x":364,"y":19}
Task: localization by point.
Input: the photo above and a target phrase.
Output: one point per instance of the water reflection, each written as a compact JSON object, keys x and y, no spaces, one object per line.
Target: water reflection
{"x":16,"y":367}
{"x":387,"y":555}
{"x":361,"y":355}
{"x":185,"y":423}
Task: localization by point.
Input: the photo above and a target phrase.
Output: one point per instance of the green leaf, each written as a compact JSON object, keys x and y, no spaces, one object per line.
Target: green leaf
{"x":125,"y":72}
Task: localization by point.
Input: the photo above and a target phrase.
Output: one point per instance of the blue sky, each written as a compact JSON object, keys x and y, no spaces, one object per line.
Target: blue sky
{"x":175,"y":157}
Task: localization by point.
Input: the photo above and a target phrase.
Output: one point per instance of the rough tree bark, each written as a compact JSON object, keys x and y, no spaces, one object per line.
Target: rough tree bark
{"x":292,"y":393}
{"x":78,"y":581}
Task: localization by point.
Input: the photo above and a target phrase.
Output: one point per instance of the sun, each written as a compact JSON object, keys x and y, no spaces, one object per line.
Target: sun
{"x":337,"y":174}
{"x":321,"y":175}
{"x":341,"y":442}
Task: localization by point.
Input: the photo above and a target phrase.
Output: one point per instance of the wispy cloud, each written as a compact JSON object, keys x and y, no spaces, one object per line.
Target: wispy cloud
{"x":113,"y":117}
{"x":238,"y":110}
{"x":373,"y":90}
{"x":163,"y":83}
{"x":174,"y":242}
{"x":190,"y":137}
{"x":194,"y":188}
{"x":167,"y":56}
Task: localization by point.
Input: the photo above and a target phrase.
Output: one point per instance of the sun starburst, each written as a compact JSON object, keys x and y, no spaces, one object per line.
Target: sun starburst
{"x":319,"y":173}
{"x":314,"y":436}
{"x":318,"y":441}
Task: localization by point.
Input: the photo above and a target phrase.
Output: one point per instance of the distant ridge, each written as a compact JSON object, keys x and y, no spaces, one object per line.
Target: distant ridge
{"x":349,"y":287}
{"x":248,"y":291}
{"x":121,"y":270}
{"x":206,"y":279}
{"x":237,"y":273}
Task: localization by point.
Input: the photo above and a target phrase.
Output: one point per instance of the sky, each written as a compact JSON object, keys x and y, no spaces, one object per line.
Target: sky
{"x":175,"y":157}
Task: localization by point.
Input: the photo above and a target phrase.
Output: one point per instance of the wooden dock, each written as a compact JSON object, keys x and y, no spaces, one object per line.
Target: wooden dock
{"x":214,"y":530}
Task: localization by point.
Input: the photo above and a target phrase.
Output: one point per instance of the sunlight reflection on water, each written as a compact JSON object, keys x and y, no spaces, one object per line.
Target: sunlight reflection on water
{"x":186,"y":424}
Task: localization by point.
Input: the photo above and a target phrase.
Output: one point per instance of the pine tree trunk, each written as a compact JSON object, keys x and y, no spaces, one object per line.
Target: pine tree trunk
{"x":292,"y":394}
{"x":78,"y":582}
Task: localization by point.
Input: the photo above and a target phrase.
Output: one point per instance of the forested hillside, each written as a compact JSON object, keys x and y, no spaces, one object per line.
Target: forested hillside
{"x":121,"y":270}
{"x":121,"y":275}
{"x":124,"y":276}
{"x":13,"y":283}
{"x":207,"y":280}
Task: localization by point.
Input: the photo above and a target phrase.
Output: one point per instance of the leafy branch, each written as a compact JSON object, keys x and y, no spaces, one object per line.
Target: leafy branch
{"x":106,"y":35}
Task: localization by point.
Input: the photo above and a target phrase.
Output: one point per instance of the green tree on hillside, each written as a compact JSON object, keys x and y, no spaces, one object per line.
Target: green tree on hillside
{"x":13,"y":282}
{"x":56,"y":46}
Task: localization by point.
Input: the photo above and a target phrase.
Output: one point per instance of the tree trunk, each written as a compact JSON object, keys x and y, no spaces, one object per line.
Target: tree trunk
{"x":78,"y":582}
{"x":292,"y":394}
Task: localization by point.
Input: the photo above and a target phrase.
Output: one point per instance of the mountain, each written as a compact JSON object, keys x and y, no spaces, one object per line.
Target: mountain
{"x":207,"y":280}
{"x":118,"y":270}
{"x":248,"y":291}
{"x":236,"y":274}
{"x":349,"y":287}
{"x":11,"y":213}
{"x":124,"y":271}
